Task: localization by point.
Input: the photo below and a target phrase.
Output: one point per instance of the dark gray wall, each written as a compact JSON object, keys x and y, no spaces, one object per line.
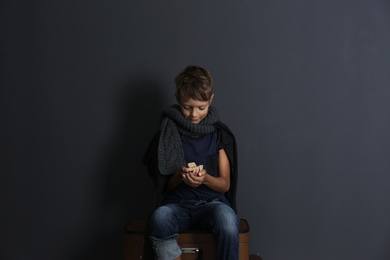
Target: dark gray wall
{"x":304,"y":85}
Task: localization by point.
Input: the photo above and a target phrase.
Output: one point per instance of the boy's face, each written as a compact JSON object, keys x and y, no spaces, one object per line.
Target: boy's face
{"x":195,"y":110}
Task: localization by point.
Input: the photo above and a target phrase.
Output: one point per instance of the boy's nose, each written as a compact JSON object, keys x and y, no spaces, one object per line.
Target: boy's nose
{"x":193,"y":113}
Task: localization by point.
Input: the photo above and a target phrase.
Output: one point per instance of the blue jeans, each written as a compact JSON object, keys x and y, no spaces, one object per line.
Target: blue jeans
{"x":215,"y":216}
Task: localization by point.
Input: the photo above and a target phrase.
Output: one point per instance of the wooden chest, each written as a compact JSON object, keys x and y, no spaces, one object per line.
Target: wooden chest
{"x":195,"y":244}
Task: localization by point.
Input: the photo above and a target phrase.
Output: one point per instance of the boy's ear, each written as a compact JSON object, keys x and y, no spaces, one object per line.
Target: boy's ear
{"x":211,"y":98}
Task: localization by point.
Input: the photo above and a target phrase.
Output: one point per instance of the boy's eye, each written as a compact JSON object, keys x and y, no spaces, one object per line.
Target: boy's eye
{"x":202,"y":108}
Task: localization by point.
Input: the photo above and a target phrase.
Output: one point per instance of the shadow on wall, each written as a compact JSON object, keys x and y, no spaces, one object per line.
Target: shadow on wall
{"x":128,"y":188}
{"x":127,"y":179}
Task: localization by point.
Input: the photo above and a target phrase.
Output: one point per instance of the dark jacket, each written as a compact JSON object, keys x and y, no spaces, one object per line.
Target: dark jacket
{"x":228,"y":142}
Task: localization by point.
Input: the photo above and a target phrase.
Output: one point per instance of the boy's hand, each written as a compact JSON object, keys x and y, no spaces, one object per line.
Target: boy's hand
{"x":194,"y":175}
{"x":193,"y":179}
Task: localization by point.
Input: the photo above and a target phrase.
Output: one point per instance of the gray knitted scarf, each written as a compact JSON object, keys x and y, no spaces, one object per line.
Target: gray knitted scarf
{"x":173,"y":123}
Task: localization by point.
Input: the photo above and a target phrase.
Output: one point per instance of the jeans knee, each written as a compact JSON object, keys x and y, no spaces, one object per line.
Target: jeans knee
{"x":161,"y":214}
{"x":162,"y":223}
{"x":229,"y":229}
{"x":226,"y":221}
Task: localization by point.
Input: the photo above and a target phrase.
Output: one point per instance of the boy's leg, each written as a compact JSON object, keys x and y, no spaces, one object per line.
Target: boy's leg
{"x":165,"y":223}
{"x":222,"y":221}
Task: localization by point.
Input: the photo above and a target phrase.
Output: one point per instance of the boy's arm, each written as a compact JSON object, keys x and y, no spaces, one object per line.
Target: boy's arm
{"x":221,"y":183}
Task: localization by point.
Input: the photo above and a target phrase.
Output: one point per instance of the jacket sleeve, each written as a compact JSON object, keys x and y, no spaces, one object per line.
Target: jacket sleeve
{"x":150,"y":160}
{"x":230,"y":146}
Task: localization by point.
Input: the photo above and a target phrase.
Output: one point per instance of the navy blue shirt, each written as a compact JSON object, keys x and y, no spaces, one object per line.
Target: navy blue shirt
{"x":203,"y":150}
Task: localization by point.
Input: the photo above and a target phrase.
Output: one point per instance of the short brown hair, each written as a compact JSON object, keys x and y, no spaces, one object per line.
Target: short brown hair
{"x":193,"y":82}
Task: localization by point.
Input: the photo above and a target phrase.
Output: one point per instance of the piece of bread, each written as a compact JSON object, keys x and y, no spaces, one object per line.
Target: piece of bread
{"x":193,"y":166}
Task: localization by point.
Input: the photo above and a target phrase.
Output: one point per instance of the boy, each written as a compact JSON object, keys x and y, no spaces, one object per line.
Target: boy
{"x":193,"y":197}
